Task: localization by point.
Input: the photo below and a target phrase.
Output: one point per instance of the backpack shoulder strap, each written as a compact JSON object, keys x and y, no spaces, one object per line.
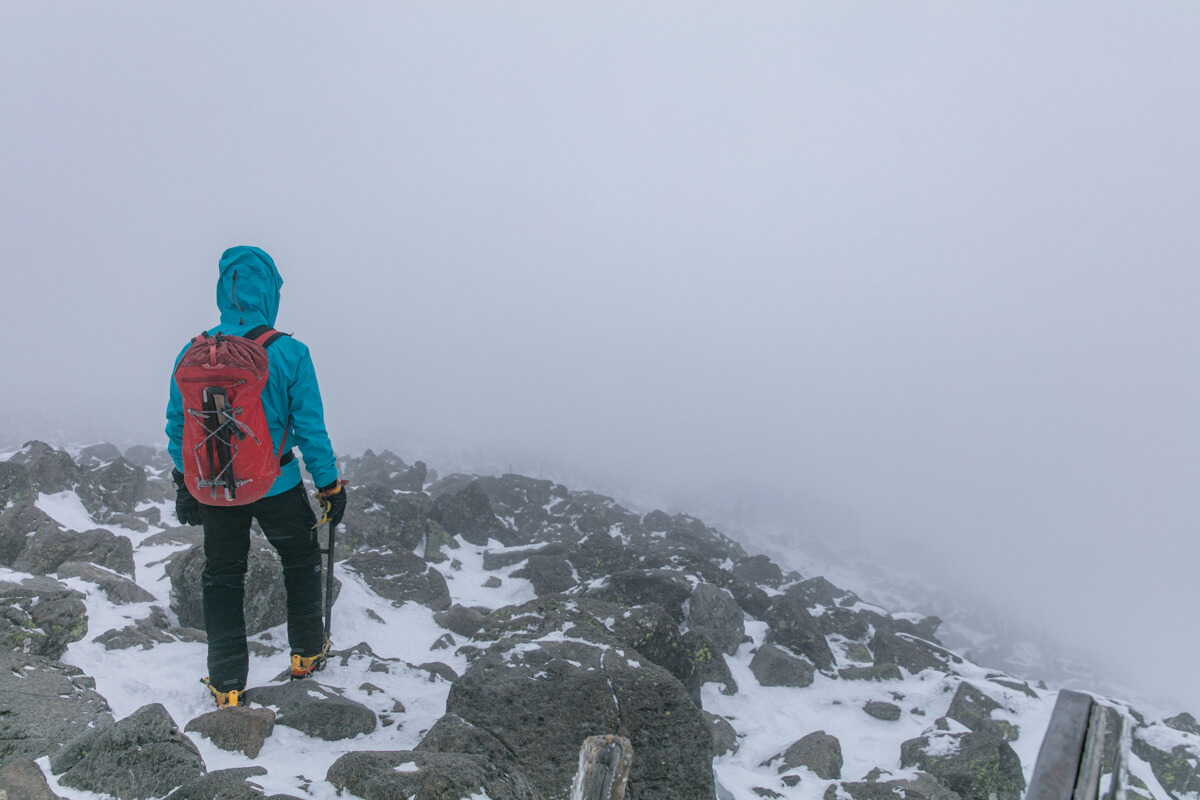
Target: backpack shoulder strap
{"x":263,"y":335}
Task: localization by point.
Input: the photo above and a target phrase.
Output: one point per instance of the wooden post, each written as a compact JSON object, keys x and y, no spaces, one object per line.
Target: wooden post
{"x":604,"y":763}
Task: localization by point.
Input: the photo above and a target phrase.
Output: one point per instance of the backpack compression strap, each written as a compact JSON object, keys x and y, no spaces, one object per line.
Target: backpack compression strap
{"x":265,"y":335}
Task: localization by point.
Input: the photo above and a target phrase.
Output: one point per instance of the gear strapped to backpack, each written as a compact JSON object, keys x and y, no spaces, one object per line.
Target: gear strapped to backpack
{"x":229,"y":458}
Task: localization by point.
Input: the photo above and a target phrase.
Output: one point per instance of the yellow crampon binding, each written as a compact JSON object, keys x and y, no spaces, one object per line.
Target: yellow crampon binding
{"x":304,"y":666}
{"x":323,"y":499}
{"x":230,"y":699}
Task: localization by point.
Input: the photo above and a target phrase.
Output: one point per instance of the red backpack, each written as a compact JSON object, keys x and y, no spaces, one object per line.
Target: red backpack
{"x":229,"y":458}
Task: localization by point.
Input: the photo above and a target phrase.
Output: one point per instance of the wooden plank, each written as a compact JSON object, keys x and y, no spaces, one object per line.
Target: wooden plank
{"x":1057,"y":769}
{"x":604,"y":763}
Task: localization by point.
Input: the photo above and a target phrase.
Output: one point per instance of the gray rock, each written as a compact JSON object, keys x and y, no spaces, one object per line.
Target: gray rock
{"x":41,"y":616}
{"x":640,"y":587}
{"x":145,"y":456}
{"x":265,"y":598}
{"x":118,"y":485}
{"x":48,"y":550}
{"x":1184,"y":722}
{"x":912,"y":654}
{"x":460,"y":619}
{"x":499,"y":559}
{"x":883,"y":672}
{"x":843,"y":622}
{"x":974,"y":709}
{"x":116,"y":587}
{"x":793,"y":627}
{"x":922,"y":786}
{"x":141,"y":636}
{"x":440,"y":669}
{"x":468,"y":513}
{"x":22,"y":779}
{"x":17,"y":524}
{"x":712,"y":610}
{"x":242,"y":729}
{"x":15,"y":484}
{"x":1176,"y":770}
{"x":379,"y":519}
{"x":453,"y":734}
{"x":315,"y":710}
{"x":50,"y":470}
{"x":818,"y":751}
{"x":141,"y":756}
{"x":97,"y":454}
{"x":817,"y":592}
{"x":402,"y":577}
{"x":974,"y":765}
{"x":725,"y":738}
{"x":888,"y":712}
{"x":708,"y":663}
{"x":758,"y":570}
{"x":426,"y":776}
{"x":543,"y":701}
{"x":774,"y":667}
{"x":224,"y":784}
{"x":549,"y":574}
{"x":692,"y":659}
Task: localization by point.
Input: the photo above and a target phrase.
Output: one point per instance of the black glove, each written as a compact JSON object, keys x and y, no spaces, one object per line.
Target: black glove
{"x":187,"y":508}
{"x":333,"y":503}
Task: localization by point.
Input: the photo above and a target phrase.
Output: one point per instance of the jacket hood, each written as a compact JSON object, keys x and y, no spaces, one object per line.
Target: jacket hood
{"x":248,"y":288}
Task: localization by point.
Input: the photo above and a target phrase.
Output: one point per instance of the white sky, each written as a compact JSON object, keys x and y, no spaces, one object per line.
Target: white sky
{"x":933,"y":263}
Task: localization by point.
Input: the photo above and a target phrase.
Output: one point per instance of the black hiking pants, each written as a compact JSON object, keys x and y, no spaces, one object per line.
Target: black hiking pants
{"x":287,"y":519}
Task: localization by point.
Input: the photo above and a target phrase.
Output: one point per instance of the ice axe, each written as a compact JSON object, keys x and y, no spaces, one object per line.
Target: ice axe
{"x":328,"y":551}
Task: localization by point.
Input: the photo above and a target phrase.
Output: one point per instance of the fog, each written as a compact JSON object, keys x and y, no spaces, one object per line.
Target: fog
{"x":932,"y":265}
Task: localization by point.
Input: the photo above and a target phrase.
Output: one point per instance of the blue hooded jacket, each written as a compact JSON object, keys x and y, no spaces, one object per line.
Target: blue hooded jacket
{"x":247,"y":296}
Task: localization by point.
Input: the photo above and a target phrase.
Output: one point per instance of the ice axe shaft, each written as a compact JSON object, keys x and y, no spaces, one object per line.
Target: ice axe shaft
{"x":329,"y":580}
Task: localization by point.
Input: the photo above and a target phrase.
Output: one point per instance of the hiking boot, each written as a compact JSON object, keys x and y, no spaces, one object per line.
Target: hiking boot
{"x":304,"y":666}
{"x":230,"y":699}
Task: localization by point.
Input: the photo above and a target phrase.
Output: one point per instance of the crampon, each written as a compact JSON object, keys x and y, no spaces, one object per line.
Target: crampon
{"x":230,"y":699}
{"x":304,"y":666}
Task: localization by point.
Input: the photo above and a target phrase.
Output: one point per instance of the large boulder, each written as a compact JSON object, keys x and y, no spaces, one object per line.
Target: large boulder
{"x":118,"y":485}
{"x":638,"y":587}
{"x":316,"y":710}
{"x":50,"y":470}
{"x":773,"y":666}
{"x":913,"y":654}
{"x":44,"y":703}
{"x":692,"y":658}
{"x":1176,"y":768}
{"x":16,"y":485}
{"x":390,"y":775}
{"x":793,"y":627}
{"x":380,"y":519}
{"x":18,"y":523}
{"x":40,"y":616}
{"x":142,"y":756}
{"x":921,"y":786}
{"x":711,"y":609}
{"x":549,"y":574}
{"x":401,"y":577}
{"x":543,"y":698}
{"x":47,"y":550}
{"x":468,"y":513}
{"x":758,"y":570}
{"x":818,"y":751}
{"x":973,"y":709}
{"x":116,"y":587}
{"x":975,"y":765}
{"x":265,"y":597}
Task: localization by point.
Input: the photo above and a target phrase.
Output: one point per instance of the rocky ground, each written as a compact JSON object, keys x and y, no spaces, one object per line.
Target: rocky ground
{"x":484,"y":627}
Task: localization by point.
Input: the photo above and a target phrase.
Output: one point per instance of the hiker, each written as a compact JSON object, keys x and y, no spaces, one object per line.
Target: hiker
{"x":248,"y":299}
